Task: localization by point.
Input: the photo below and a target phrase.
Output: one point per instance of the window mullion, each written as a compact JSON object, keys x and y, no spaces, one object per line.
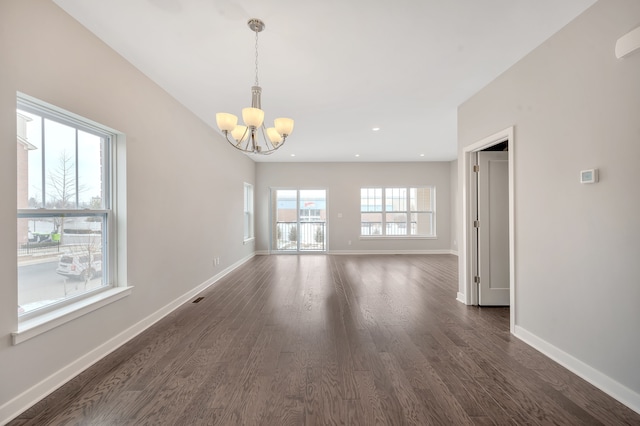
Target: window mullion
{"x":407,"y":206}
{"x":62,"y":212}
{"x":384,"y":211}
{"x":43,"y":196}
{"x":77,"y":187}
{"x":108,"y":185}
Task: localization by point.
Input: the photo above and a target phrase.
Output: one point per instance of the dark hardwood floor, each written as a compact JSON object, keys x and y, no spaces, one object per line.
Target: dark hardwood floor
{"x":319,"y":340}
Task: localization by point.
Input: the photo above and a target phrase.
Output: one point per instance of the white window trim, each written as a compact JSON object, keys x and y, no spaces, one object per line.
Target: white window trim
{"x":35,"y":324}
{"x":251,"y":212}
{"x":398,"y":237}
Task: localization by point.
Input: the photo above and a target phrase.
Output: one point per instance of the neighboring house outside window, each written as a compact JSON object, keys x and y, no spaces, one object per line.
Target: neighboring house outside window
{"x":23,"y":149}
{"x":398,"y":211}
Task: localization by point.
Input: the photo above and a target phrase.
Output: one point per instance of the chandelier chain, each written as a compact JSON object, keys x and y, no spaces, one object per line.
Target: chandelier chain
{"x":257,"y":83}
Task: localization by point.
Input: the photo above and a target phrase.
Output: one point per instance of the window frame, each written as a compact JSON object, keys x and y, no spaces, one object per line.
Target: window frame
{"x":387,"y":207}
{"x":248,"y":215}
{"x":113,"y":288}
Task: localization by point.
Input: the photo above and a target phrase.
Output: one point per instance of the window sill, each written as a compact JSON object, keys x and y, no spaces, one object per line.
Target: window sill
{"x":398,"y":237}
{"x":42,"y":323}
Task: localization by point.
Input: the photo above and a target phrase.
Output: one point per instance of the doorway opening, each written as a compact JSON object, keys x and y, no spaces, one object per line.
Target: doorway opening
{"x":299,"y":220}
{"x":496,"y":152}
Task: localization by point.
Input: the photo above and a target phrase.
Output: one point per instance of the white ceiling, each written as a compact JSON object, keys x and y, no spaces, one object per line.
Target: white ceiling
{"x":338,"y":67}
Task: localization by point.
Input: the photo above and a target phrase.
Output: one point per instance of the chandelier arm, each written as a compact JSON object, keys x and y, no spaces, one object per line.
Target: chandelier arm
{"x":234,"y":143}
{"x":226,"y":135}
{"x":250,"y":146}
{"x":267,"y":142}
{"x":246,"y":138}
{"x":275,"y":148}
{"x":252,"y":143}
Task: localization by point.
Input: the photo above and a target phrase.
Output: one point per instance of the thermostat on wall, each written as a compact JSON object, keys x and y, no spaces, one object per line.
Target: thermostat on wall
{"x":589,"y":176}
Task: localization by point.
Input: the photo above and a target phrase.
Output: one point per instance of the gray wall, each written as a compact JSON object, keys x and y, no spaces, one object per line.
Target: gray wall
{"x":185,"y":185}
{"x":574,"y":107}
{"x":343,"y":182}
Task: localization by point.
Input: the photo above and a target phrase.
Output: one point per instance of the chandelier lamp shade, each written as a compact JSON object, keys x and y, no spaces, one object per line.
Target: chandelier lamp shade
{"x":253,"y":137}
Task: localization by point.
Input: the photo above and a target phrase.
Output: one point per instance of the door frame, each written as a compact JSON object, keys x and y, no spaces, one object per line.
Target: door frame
{"x":470,"y":296}
{"x":272,"y":191}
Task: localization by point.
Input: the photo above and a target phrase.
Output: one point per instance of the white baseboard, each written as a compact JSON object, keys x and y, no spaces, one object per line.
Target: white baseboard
{"x":462,"y":298}
{"x":361,"y":252}
{"x":36,"y":393}
{"x":267,"y":252}
{"x":603,"y":382}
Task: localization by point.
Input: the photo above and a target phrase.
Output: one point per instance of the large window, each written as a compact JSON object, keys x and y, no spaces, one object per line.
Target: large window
{"x":397,"y":211}
{"x":65,"y":218}
{"x":248,"y":212}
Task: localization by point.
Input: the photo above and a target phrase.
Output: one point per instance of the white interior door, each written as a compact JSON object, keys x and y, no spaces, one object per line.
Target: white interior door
{"x":493,"y":229}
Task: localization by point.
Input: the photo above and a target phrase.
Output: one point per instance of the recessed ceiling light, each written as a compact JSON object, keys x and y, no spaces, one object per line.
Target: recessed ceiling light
{"x":293,"y":155}
{"x":357,"y":155}
{"x":375,"y":129}
{"x":421,"y":155}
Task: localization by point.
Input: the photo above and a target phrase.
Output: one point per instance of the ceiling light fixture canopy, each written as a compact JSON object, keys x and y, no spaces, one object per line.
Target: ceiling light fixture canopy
{"x":253,"y":137}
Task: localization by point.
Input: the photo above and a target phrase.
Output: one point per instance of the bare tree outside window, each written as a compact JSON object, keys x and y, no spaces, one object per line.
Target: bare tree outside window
{"x":63,"y":189}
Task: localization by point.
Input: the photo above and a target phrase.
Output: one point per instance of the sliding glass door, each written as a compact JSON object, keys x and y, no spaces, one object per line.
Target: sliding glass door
{"x":299,"y":220}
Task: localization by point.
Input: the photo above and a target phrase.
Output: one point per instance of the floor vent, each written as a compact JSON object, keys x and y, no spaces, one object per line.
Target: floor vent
{"x":198,"y":300}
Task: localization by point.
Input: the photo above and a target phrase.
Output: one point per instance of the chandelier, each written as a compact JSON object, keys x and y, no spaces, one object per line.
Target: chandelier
{"x":253,"y":137}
